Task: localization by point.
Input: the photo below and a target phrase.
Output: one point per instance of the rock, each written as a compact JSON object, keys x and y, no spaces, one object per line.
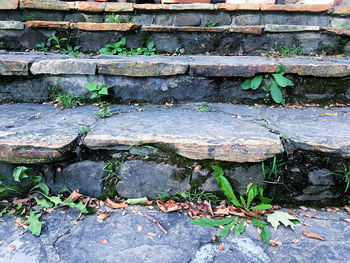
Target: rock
{"x":321,"y":177}
{"x":17,"y":25}
{"x":64,"y":66}
{"x":327,"y":194}
{"x":289,"y":28}
{"x":210,"y":185}
{"x":243,"y":20}
{"x":85,"y":176}
{"x":149,"y":179}
{"x":187,"y":20}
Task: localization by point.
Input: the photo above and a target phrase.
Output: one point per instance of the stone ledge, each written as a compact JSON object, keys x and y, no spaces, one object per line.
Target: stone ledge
{"x":91,"y":6}
{"x":47,"y":24}
{"x":64,"y":66}
{"x":289,"y":28}
{"x":47,"y":5}
{"x":340,"y":10}
{"x":13,"y":67}
{"x":13,"y":25}
{"x":8,"y":4}
{"x":238,"y":7}
{"x":338,"y":30}
{"x":254,"y":30}
{"x":107,"y":26}
{"x":119,"y":7}
{"x":295,"y":8}
{"x":184,"y":29}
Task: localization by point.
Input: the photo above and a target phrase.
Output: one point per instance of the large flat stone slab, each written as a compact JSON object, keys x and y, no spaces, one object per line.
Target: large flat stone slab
{"x":32,"y":133}
{"x":64,"y":66}
{"x":195,"y":135}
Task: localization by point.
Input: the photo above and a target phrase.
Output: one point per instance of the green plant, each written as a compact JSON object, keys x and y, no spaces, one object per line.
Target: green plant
{"x":104,"y":111}
{"x":142,"y":147}
{"x":41,"y":47}
{"x":196,"y":195}
{"x":57,"y":41}
{"x":98,"y":90}
{"x":146,"y":51}
{"x":271,"y":84}
{"x":114,"y":18}
{"x":66,"y":101}
{"x":346,"y":175}
{"x":286,"y":51}
{"x":111,"y":169}
{"x":273,"y":169}
{"x":30,"y":17}
{"x":115,"y":49}
{"x":203,"y":107}
{"x":84,"y":130}
{"x":70,"y":50}
{"x":210,"y":23}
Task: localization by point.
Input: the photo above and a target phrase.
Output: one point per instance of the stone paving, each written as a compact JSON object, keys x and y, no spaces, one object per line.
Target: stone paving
{"x":128,"y":236}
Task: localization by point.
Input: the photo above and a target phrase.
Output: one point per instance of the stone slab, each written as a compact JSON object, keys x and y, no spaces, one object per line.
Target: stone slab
{"x":198,"y":136}
{"x":143,"y":66}
{"x":91,"y":6}
{"x":294,"y":8}
{"x":64,"y":66}
{"x":311,"y":128}
{"x":119,"y":7}
{"x":47,"y":138}
{"x":47,"y":5}
{"x":64,"y":238}
{"x":47,"y":24}
{"x":184,"y":29}
{"x":16,"y":25}
{"x":107,"y":26}
{"x":290,"y":28}
{"x":8,"y":4}
{"x":13,"y":67}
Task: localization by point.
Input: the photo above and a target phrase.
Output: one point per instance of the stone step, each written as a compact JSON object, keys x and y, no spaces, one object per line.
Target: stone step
{"x":172,"y":148}
{"x":159,"y":79}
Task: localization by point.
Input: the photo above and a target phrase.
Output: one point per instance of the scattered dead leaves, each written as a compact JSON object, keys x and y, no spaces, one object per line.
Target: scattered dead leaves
{"x":309,"y":216}
{"x":151,"y":234}
{"x":169,"y":206}
{"x":303,"y":208}
{"x":74,"y":196}
{"x":275,"y":242}
{"x":111,"y":204}
{"x":312,"y":235}
{"x":102,"y":216}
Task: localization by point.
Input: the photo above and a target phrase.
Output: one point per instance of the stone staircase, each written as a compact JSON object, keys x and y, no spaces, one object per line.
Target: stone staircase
{"x":174,"y":117}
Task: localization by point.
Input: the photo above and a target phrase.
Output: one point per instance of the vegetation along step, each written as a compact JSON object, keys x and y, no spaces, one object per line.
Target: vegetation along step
{"x":159,"y":79}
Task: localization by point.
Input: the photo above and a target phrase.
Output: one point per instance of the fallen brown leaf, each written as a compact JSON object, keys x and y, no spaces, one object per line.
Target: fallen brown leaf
{"x":312,"y":235}
{"x":222,"y":211}
{"x":313,"y":210}
{"x":102,"y":216}
{"x":222,"y":246}
{"x":12,"y":247}
{"x":75,"y":195}
{"x":169,"y":206}
{"x":347,"y":209}
{"x":151,"y":234}
{"x":139,"y":228}
{"x":303,"y":208}
{"x":110,"y":203}
{"x":310,"y":216}
{"x":103,"y":241}
{"x":275,"y":242}
{"x":328,"y":114}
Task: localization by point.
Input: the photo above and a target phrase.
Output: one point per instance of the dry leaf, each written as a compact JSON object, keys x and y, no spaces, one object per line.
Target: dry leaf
{"x":139,"y":228}
{"x":110,"y":203}
{"x":303,"y":208}
{"x":275,"y":242}
{"x":102,"y":216}
{"x":169,"y":206}
{"x":75,"y":195}
{"x":312,"y":235}
{"x":151,"y":234}
{"x":310,"y":216}
{"x":328,"y":114}
{"x":347,"y":209}
{"x":12,"y":247}
{"x":347,"y":219}
{"x":295,"y":241}
{"x":103,"y":241}
{"x":222,"y":211}
{"x":222,"y":246}
{"x":63,"y":212}
{"x":313,"y":210}
{"x":213,"y":238}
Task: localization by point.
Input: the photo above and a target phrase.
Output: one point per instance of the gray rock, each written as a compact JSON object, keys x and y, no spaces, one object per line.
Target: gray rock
{"x":93,"y":18}
{"x":85,"y":176}
{"x":142,"y":179}
{"x":164,"y":19}
{"x":321,"y":177}
{"x":187,"y":20}
{"x":327,"y":194}
{"x":143,"y":19}
{"x":315,"y":189}
{"x":11,"y":25}
{"x":210,"y":185}
{"x":221,"y":18}
{"x":243,"y":20}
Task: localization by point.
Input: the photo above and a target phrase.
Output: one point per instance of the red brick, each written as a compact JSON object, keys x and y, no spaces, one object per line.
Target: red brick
{"x":107,"y":26}
{"x":91,"y":6}
{"x":47,"y":4}
{"x":48,"y":24}
{"x":340,"y":10}
{"x":233,"y":7}
{"x":119,"y":7}
{"x":255,"y":30}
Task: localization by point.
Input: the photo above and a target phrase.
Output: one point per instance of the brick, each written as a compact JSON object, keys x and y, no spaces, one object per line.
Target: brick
{"x":17,"y":25}
{"x":340,"y":10}
{"x":13,"y":68}
{"x":184,"y":29}
{"x":47,"y":24}
{"x":338,"y":30}
{"x":119,"y":7}
{"x":107,"y":26}
{"x":290,"y":28}
{"x":295,"y":8}
{"x":47,"y":4}
{"x":234,"y":7}
{"x":8,"y":4}
{"x":91,"y":6}
{"x":254,"y":30}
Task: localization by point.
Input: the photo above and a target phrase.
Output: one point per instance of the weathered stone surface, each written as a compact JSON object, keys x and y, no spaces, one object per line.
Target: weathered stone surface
{"x":200,"y":5}
{"x":40,"y":133}
{"x":47,"y":4}
{"x":107,"y":26}
{"x":293,"y":8}
{"x":17,"y":25}
{"x":234,"y":7}
{"x":195,"y":137}
{"x":340,"y":10}
{"x":245,"y":20}
{"x":161,"y":66}
{"x":85,"y":176}
{"x":13,"y":67}
{"x":150,"y":179}
{"x":119,"y":7}
{"x":64,"y":66}
{"x":339,"y":30}
{"x":187,"y":20}
{"x":8,"y":4}
{"x":183,"y":29}
{"x":295,"y":19}
{"x":48,"y":24}
{"x":310,"y":129}
{"x":255,"y":30}
{"x":323,"y":195}
{"x":91,"y":6}
{"x":289,"y":28}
